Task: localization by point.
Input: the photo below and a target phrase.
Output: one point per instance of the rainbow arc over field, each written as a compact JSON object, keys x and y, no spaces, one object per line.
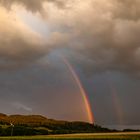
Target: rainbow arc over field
{"x":82,"y":91}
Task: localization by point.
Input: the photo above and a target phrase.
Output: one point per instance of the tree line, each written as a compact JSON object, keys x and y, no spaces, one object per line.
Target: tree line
{"x":21,"y":125}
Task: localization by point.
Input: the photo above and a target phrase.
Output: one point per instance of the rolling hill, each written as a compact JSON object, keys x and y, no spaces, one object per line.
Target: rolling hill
{"x":40,"y":125}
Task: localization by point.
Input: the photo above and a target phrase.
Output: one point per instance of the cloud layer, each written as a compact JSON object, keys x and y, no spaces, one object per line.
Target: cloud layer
{"x":105,"y":32}
{"x":18,"y":43}
{"x":32,"y":5}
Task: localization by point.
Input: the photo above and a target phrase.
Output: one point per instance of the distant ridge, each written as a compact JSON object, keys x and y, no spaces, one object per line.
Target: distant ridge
{"x":40,"y":125}
{"x":23,"y":119}
{"x":27,"y":119}
{"x":2,"y":115}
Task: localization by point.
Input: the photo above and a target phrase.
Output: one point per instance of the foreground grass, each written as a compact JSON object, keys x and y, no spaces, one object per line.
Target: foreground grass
{"x":94,"y":136}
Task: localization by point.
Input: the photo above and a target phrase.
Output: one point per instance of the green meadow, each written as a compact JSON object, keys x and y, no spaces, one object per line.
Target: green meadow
{"x":94,"y":136}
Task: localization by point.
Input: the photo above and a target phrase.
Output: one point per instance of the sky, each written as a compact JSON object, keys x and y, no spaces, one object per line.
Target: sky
{"x":71,"y":60}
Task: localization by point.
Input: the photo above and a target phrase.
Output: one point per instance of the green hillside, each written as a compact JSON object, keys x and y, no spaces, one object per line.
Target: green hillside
{"x":39,"y":125}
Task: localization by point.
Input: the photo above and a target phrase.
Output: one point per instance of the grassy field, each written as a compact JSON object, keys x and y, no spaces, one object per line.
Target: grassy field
{"x":95,"y":136}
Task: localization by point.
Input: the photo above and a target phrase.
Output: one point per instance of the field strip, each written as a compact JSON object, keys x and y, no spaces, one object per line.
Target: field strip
{"x":99,"y":134}
{"x":83,"y":136}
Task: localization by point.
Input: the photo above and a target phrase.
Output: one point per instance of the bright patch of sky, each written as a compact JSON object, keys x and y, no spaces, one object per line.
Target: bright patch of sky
{"x":34,"y":22}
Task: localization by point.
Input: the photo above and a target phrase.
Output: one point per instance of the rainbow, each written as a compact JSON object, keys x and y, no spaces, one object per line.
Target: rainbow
{"x":117,"y":104}
{"x":116,"y":100}
{"x":82,"y":90}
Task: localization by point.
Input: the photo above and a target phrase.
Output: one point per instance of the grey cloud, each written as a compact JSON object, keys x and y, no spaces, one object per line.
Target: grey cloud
{"x":19,"y":52}
{"x":62,"y":4}
{"x":127,"y":9}
{"x":106,"y":33}
{"x":19,"y":45}
{"x":21,"y":106}
{"x":33,"y":5}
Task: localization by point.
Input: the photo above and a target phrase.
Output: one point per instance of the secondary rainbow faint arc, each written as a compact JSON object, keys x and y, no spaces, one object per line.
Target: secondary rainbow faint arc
{"x":117,"y":103}
{"x":116,"y":100}
{"x":82,"y":90}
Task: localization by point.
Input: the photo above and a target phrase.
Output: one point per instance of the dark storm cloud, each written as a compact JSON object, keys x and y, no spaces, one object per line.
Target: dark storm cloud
{"x":18,"y":44}
{"x":106,"y":33}
{"x":59,"y":3}
{"x":32,"y":5}
{"x":127,"y":9}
